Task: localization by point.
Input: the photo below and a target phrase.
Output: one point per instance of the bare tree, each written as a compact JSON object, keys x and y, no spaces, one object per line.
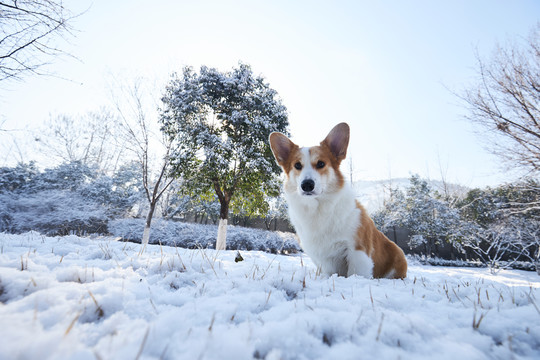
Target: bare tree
{"x":506,"y":103}
{"x":499,"y":246}
{"x":529,"y":240}
{"x":10,"y":149}
{"x":29,"y":34}
{"x":142,"y":142}
{"x":91,"y":139}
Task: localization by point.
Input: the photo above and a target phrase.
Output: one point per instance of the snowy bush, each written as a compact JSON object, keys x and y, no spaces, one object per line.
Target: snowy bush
{"x":16,"y":179}
{"x":188,"y":235}
{"x":501,"y":226}
{"x":119,"y":193}
{"x":70,"y":198}
{"x":66,"y":176}
{"x":52,"y":212}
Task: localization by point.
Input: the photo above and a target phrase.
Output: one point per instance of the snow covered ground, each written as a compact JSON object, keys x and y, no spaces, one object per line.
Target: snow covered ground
{"x":79,"y":298}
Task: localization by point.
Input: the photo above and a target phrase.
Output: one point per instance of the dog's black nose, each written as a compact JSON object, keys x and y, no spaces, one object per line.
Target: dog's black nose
{"x":308,"y":185}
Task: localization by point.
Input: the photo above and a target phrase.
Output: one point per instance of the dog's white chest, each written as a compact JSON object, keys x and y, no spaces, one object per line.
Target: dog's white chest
{"x":327,"y":231}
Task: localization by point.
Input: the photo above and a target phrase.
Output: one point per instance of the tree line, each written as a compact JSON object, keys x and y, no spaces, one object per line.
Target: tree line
{"x":497,"y":226}
{"x":74,"y":198}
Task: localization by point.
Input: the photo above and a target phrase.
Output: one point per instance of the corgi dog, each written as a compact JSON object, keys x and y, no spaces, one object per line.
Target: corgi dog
{"x":334,"y":229}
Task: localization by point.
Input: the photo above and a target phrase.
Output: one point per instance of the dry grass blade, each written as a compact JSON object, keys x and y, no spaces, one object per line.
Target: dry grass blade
{"x":205,"y":256}
{"x":72,"y":324}
{"x":476,"y":322}
{"x":143,"y":248}
{"x":142,"y":344}
{"x":380,"y":328}
{"x":211,"y":326}
{"x":533,"y":303}
{"x":99,"y":311}
{"x":268,"y":298}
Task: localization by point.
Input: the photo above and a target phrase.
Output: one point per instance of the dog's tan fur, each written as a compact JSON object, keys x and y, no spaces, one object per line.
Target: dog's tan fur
{"x":386,"y":255}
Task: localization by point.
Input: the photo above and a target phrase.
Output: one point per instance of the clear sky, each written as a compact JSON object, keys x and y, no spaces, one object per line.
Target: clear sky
{"x":388,"y":68}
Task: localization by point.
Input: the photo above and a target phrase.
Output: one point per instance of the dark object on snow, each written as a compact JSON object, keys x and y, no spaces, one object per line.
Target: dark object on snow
{"x":238,"y":257}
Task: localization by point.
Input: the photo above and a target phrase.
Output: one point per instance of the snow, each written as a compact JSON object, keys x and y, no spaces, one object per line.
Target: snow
{"x":87,"y":298}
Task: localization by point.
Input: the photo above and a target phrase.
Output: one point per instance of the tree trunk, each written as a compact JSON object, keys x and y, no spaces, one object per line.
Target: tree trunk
{"x":221,"y":243}
{"x":148,"y":223}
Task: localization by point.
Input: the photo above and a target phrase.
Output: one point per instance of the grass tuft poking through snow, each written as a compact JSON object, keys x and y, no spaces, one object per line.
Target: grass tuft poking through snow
{"x":79,"y":298}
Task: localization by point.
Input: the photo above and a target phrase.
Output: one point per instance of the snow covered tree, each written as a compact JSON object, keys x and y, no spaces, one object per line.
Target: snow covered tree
{"x":423,"y":211}
{"x":498,"y":245}
{"x":393,"y":212}
{"x":526,"y":236}
{"x":119,"y":193}
{"x":17,"y":179}
{"x":49,"y":201}
{"x":502,"y":223}
{"x":70,"y":197}
{"x":498,"y":226}
{"x":219,"y":123}
{"x":428,"y":215}
{"x":66,"y":176}
{"x":277,"y":210}
{"x":492,"y":205}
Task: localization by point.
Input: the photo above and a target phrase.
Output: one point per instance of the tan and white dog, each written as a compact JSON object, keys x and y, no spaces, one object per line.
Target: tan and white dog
{"x":334,"y":229}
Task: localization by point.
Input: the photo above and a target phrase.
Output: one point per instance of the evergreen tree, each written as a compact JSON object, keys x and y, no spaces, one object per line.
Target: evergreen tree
{"x":219,"y":123}
{"x":421,"y":210}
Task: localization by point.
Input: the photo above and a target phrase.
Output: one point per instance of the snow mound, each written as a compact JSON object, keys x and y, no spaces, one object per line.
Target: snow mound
{"x":79,"y":298}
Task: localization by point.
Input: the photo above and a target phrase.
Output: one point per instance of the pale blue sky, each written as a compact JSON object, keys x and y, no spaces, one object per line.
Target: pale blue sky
{"x":385,"y":67}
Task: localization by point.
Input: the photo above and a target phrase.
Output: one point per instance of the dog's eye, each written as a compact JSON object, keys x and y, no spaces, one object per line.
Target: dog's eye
{"x":298,"y":166}
{"x":320,"y":164}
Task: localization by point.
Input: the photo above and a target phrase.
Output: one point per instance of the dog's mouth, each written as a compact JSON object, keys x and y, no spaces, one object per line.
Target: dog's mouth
{"x":308,"y":193}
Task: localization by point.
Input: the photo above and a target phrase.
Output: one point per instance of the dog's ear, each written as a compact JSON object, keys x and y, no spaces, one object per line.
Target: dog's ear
{"x":281,"y":147}
{"x":338,"y":141}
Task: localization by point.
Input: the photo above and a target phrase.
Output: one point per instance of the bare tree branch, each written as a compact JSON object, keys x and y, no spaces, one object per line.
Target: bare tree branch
{"x":30,"y":32}
{"x":92,"y":139}
{"x":506,"y":103}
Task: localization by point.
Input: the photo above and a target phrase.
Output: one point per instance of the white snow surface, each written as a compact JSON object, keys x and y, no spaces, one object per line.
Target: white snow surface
{"x":82,"y":298}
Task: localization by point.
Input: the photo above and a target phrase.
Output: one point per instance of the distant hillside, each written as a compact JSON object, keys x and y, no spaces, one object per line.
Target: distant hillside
{"x":372,"y":193}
